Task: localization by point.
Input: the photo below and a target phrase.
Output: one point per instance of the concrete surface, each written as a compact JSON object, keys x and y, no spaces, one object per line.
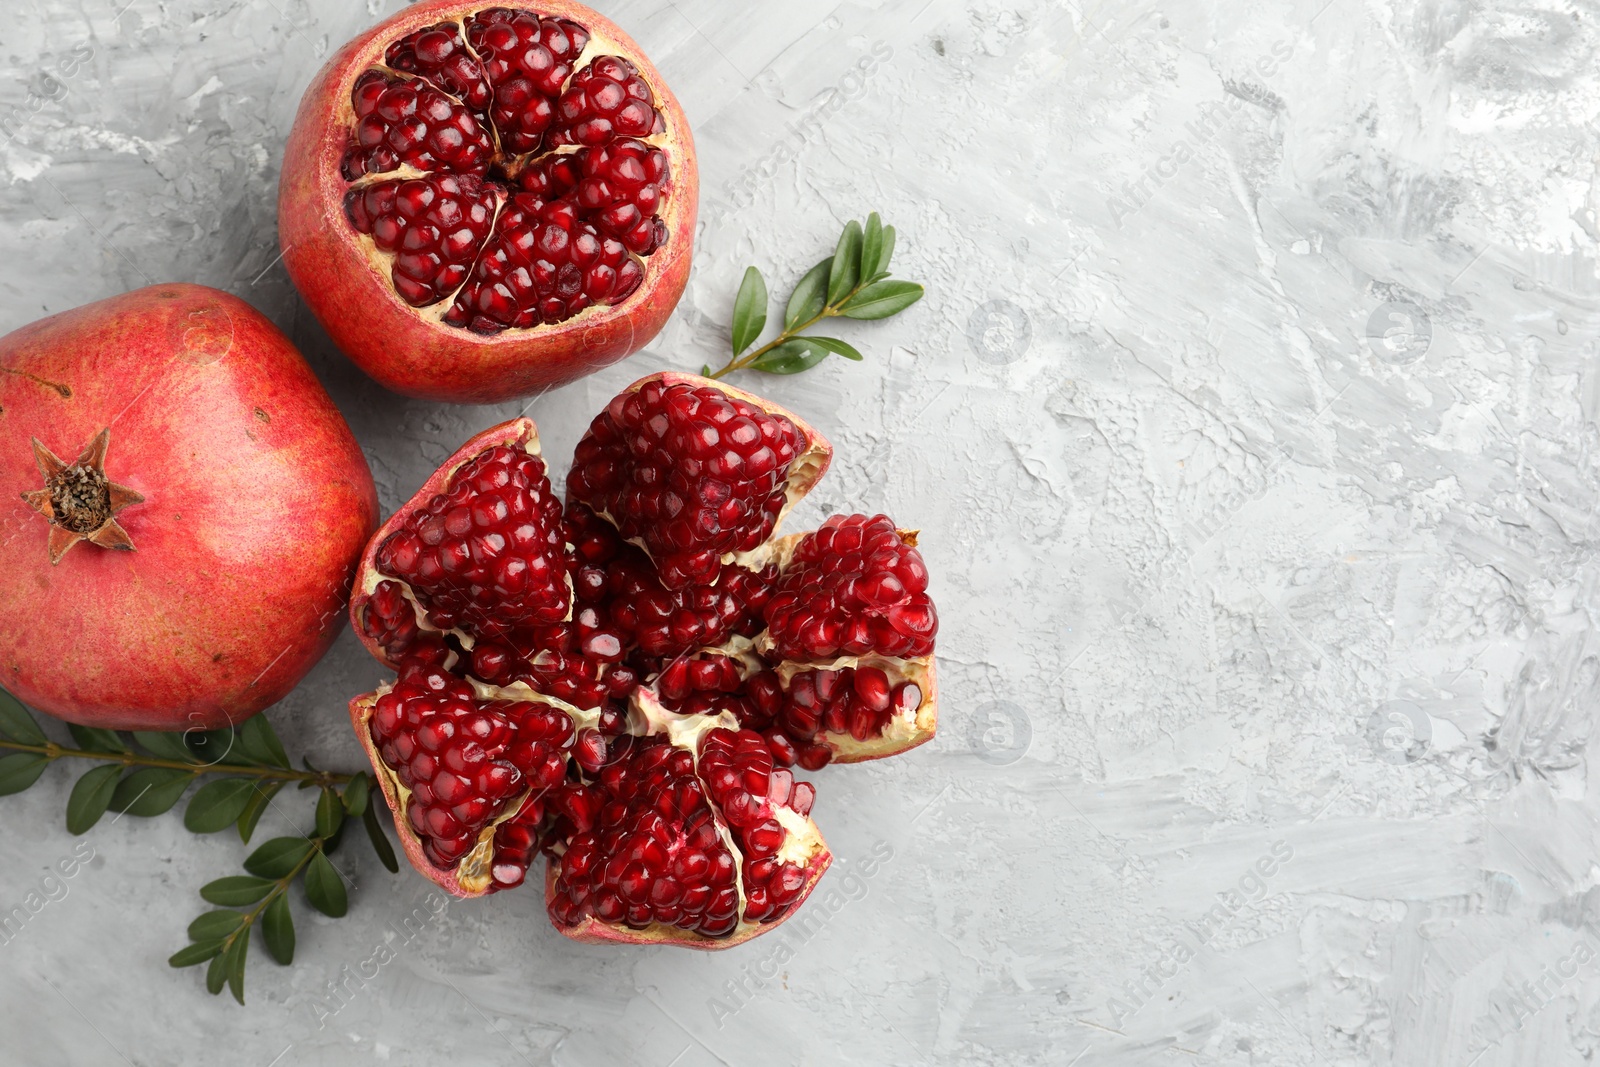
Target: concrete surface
{"x":1251,"y":422}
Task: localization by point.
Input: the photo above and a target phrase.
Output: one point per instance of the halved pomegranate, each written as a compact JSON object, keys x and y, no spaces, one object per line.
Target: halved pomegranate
{"x":483,"y":200}
{"x":625,"y":681}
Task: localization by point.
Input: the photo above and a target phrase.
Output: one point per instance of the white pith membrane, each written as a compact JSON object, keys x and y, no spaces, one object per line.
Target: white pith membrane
{"x":803,"y":842}
{"x":511,"y":165}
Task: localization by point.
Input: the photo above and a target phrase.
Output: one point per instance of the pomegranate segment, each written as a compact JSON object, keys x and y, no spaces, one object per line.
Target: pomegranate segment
{"x":620,"y":185}
{"x":607,"y":100}
{"x":544,"y":264}
{"x":400,"y":121}
{"x":695,"y":474}
{"x":433,"y":227}
{"x":662,"y":846}
{"x":854,"y":587}
{"x":528,"y":59}
{"x":438,"y":54}
{"x":656,"y":854}
{"x":461,"y":762}
{"x":488,"y":555}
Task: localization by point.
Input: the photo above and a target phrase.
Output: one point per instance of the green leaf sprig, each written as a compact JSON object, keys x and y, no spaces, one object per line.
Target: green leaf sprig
{"x":146,"y":773}
{"x":853,"y":283}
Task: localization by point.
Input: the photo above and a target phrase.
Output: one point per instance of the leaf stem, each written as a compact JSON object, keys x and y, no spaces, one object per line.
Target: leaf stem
{"x":53,"y":751}
{"x":278,"y":890}
{"x":789,"y":334}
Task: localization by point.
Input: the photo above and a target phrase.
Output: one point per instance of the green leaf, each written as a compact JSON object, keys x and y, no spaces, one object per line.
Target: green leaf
{"x":255,"y":807}
{"x":20,"y":770}
{"x":234,"y":965}
{"x":90,"y":797}
{"x":236,"y":890}
{"x":888,"y":251}
{"x":706,"y":371}
{"x":749,"y":310}
{"x":846,"y":268}
{"x":16,"y":723}
{"x":356,"y":795}
{"x":871,"y":246}
{"x":791,"y":357}
{"x":150,"y":791}
{"x":217,"y":975}
{"x":809,"y":297}
{"x":215,"y":925}
{"x":277,"y":857}
{"x":325,"y":889}
{"x":882,"y":299}
{"x":218,"y":805}
{"x":259,"y":744}
{"x":277,"y":930}
{"x":212,"y":747}
{"x":380,"y":840}
{"x":199,"y":953}
{"x":330,"y":814}
{"x":92,"y":740}
{"x":834,"y":345}
{"x":166,"y":746}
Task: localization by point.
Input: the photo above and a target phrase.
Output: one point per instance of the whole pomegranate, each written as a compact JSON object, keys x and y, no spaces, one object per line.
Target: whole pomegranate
{"x":626,"y":682}
{"x":186,"y":510}
{"x":480,"y":201}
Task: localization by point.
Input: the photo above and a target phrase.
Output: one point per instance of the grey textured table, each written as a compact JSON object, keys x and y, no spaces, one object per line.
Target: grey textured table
{"x":1251,"y":420}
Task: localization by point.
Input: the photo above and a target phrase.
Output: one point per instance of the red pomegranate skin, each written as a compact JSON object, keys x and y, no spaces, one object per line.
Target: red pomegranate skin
{"x":406,"y":349}
{"x":257,"y":502}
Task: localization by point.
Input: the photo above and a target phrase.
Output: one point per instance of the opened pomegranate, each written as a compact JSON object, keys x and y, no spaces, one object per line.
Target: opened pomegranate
{"x":186,"y":511}
{"x":483,"y":200}
{"x":630,"y":695}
